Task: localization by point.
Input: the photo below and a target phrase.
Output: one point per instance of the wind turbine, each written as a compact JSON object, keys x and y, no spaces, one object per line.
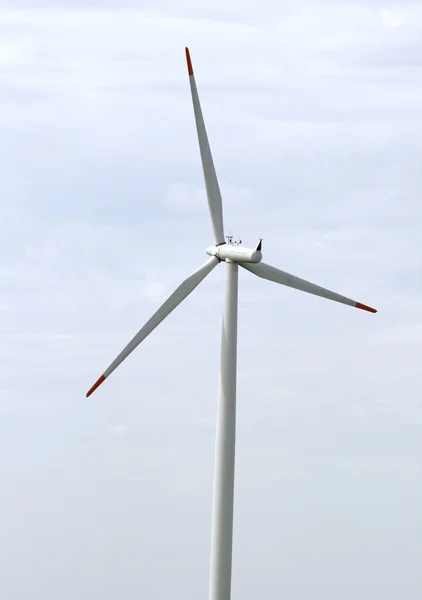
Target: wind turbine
{"x":251,"y":260}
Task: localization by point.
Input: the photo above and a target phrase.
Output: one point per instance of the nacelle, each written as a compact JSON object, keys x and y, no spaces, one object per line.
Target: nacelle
{"x":236,"y":254}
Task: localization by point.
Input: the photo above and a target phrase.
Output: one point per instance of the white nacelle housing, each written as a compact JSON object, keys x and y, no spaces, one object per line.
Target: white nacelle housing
{"x":235,"y":253}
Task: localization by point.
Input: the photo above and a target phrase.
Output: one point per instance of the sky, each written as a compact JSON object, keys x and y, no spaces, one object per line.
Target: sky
{"x":314,"y":117}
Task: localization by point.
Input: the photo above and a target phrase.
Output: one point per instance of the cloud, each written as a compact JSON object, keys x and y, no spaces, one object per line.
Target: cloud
{"x":118,"y":431}
{"x":391,"y":19}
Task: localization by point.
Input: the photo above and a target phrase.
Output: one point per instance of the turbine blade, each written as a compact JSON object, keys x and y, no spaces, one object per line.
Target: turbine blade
{"x":211,"y":182}
{"x":272,"y":274}
{"x":169,"y":305}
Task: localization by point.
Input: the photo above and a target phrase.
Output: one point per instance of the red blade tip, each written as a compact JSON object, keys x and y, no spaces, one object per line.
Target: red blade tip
{"x":188,"y":60}
{"x":96,"y":384}
{"x":364,"y":307}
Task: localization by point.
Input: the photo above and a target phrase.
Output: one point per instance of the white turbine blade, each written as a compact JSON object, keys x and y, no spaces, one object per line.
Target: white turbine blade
{"x":169,"y":305}
{"x":211,"y":182}
{"x":278,"y":276}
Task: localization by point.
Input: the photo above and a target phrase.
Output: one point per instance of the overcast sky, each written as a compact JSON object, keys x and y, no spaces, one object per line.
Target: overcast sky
{"x":315,"y":121}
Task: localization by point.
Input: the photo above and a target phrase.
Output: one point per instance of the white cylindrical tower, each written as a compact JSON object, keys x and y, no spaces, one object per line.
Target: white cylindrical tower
{"x":222,"y":518}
